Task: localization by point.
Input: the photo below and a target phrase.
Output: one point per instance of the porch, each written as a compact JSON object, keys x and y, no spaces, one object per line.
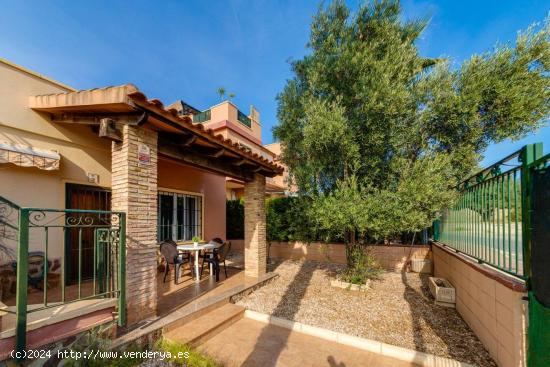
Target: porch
{"x":81,"y":311}
{"x":155,"y":152}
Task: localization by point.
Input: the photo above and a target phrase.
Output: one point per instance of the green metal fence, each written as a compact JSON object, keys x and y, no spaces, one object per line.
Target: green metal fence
{"x":490,"y":218}
{"x":91,"y":240}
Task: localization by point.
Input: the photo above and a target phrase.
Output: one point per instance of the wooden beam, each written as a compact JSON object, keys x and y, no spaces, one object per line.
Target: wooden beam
{"x":207,"y":163}
{"x":95,"y":119}
{"x":109,"y":130}
{"x":189,"y":141}
{"x":240,"y":162}
{"x":217,"y":154}
{"x":76,"y":119}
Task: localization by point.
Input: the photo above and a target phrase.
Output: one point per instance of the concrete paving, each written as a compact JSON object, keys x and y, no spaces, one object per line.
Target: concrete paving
{"x":252,"y":343}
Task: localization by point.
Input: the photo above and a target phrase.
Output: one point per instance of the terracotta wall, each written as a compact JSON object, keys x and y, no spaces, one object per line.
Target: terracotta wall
{"x":490,"y":302}
{"x":390,"y":257}
{"x":180,"y":177}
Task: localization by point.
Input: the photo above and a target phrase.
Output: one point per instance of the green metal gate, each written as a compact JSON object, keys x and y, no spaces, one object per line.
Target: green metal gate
{"x":41,"y":229}
{"x":539,"y":277}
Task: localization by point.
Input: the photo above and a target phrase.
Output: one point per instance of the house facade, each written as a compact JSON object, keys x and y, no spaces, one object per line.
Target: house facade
{"x":114,"y":149}
{"x":227,"y":120}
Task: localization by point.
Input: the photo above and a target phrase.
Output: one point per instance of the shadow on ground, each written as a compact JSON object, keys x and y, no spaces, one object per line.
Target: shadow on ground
{"x":291,"y":300}
{"x":426,"y":314}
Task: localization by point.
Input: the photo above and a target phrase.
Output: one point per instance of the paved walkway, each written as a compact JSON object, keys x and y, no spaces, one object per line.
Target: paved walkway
{"x":252,"y":343}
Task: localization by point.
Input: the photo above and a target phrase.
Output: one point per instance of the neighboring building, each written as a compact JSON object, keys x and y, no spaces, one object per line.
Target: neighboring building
{"x":113,"y":149}
{"x":280,"y":181}
{"x":228,"y":121}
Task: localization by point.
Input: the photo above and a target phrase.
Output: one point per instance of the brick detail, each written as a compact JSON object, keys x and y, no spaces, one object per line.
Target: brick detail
{"x":255,"y":243}
{"x":134,"y":191}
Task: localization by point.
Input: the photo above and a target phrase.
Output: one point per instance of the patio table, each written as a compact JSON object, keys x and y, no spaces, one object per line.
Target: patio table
{"x":197,"y":249}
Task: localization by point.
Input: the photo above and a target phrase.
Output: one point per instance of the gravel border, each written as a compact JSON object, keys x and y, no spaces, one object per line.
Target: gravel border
{"x":396,"y":310}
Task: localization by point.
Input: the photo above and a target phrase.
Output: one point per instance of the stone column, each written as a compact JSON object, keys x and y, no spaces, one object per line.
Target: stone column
{"x":134,"y":191}
{"x":255,"y":243}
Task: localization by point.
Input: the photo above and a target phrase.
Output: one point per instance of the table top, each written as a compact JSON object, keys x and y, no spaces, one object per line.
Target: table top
{"x":201,"y":246}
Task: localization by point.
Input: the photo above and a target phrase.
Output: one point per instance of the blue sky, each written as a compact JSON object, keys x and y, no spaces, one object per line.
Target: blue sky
{"x":187,"y":49}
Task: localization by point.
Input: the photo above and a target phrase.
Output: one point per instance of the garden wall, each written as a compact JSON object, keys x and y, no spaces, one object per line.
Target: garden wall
{"x":490,"y":302}
{"x":390,"y":257}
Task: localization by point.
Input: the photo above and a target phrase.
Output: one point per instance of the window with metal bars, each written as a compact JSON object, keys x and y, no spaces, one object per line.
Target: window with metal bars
{"x":179,"y":216}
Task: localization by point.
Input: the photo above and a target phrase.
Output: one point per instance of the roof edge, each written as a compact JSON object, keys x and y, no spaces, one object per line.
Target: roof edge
{"x":37,"y":75}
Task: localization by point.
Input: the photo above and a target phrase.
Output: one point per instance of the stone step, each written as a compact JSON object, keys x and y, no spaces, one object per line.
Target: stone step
{"x":199,"y":330}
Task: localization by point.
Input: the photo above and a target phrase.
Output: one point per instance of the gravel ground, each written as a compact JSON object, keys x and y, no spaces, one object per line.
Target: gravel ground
{"x":397,"y":310}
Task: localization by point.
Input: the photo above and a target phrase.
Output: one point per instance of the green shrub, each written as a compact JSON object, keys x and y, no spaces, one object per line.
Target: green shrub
{"x":362,"y":265}
{"x":234,"y":210}
{"x":287,"y":220}
{"x":193,"y":358}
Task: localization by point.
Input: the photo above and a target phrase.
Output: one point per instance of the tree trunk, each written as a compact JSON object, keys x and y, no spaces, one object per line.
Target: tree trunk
{"x":353,"y":250}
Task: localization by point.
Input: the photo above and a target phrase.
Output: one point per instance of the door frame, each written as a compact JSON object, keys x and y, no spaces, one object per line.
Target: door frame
{"x":70,"y":187}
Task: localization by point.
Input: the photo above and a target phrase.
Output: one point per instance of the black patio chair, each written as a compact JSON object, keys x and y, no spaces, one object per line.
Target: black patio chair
{"x":216,"y":257}
{"x":172,"y":256}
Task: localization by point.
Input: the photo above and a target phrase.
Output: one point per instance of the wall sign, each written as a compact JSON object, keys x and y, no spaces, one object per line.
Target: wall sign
{"x":93,"y":177}
{"x":144,"y":154}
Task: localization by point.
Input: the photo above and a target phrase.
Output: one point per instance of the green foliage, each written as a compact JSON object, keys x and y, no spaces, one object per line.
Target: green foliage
{"x":234,"y":210}
{"x":363,"y":265}
{"x":193,"y":358}
{"x":97,"y":339}
{"x":196,"y":239}
{"x":221,"y":93}
{"x":376,"y":136}
{"x":286,"y":221}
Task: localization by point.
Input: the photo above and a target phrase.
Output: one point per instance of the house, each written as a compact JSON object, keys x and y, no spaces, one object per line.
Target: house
{"x":226,"y":119}
{"x":114,"y":153}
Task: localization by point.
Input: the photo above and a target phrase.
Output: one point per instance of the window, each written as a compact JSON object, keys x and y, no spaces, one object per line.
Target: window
{"x":179,"y":217}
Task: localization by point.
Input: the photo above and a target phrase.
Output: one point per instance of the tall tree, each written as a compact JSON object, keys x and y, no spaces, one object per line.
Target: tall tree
{"x":375,"y":135}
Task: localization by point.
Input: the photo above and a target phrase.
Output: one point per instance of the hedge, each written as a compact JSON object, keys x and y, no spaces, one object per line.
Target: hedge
{"x":234,"y":210}
{"x":286,"y":221}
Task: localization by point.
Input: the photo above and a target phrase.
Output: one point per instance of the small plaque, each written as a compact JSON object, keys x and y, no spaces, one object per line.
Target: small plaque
{"x":93,"y":178}
{"x":144,"y":154}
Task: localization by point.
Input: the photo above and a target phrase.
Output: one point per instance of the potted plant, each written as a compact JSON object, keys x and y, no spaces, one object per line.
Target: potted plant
{"x":196,"y":240}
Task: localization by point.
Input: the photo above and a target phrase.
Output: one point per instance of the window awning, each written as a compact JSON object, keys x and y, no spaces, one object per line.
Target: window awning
{"x":26,"y":156}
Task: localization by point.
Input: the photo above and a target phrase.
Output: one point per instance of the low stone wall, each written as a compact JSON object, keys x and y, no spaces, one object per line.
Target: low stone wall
{"x":390,"y":257}
{"x":489,"y":301}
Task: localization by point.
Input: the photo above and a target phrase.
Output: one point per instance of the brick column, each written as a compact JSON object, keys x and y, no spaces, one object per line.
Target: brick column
{"x":255,"y":243}
{"x":134,"y":191}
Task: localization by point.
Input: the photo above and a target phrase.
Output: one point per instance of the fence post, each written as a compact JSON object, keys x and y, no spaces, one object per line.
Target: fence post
{"x":538,"y":336}
{"x":22,"y":284}
{"x":122,"y":271}
{"x":529,"y":154}
{"x":437,"y":232}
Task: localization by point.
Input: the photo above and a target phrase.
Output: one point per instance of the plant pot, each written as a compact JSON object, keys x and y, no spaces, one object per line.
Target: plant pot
{"x":443,"y":292}
{"x":421,"y":266}
{"x":195,"y":244}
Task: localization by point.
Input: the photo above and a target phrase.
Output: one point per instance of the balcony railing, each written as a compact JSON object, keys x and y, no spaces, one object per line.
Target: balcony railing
{"x":244,"y":119}
{"x":63,"y":229}
{"x":202,"y":116}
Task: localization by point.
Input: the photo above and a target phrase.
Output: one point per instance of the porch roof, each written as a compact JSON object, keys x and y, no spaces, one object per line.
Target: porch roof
{"x":107,"y":108}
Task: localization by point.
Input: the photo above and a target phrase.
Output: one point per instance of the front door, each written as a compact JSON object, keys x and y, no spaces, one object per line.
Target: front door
{"x":80,"y":241}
